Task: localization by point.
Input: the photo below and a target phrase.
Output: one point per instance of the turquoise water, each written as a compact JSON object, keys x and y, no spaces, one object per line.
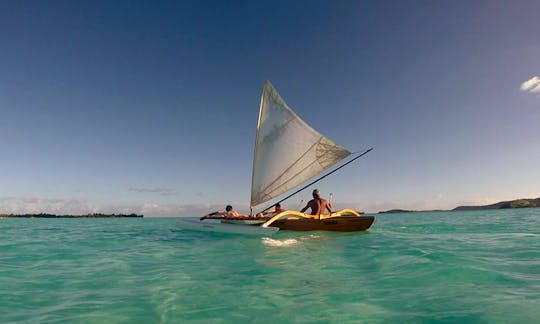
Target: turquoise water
{"x":472,"y":267}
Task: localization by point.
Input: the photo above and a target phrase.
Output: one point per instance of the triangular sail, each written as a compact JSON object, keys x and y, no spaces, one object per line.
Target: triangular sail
{"x":287,"y":150}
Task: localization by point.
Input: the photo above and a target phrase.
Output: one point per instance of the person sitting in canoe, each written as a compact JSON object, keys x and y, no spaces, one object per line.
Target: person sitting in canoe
{"x":228,"y":213}
{"x":317,"y":205}
{"x":271,"y":213}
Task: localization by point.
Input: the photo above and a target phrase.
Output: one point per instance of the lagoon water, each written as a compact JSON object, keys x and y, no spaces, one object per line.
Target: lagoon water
{"x":463,"y":267}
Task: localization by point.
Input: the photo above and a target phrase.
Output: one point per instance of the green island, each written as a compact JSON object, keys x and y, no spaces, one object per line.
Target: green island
{"x":517,"y":203}
{"x":44,"y":215}
{"x":396,"y":211}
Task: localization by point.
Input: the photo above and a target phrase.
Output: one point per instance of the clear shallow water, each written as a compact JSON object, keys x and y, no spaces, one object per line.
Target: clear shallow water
{"x":473,"y":267}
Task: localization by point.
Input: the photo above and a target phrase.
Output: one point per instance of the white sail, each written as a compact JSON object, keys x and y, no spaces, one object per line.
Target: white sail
{"x":287,"y":150}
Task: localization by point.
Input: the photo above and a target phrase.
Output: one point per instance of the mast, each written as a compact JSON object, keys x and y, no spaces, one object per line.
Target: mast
{"x":256,"y":146}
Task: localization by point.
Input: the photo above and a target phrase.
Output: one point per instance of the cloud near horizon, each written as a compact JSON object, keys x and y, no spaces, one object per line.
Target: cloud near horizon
{"x":34,"y":205}
{"x":76,"y":206}
{"x":532,"y":85}
{"x":161,"y":191}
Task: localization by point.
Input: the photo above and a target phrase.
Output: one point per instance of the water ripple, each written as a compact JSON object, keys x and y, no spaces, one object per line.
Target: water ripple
{"x":423,"y":267}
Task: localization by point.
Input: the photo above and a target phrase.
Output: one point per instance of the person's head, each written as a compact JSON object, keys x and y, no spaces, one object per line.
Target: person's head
{"x":277,"y":206}
{"x":316,"y":193}
{"x":228,"y":208}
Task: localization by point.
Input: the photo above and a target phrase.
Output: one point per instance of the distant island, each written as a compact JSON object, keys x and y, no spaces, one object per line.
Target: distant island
{"x":43,"y":215}
{"x":395,"y":211}
{"x":517,"y":203}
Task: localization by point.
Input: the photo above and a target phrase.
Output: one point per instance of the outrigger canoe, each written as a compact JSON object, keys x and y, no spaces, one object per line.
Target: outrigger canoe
{"x":345,"y":220}
{"x":287,"y":153}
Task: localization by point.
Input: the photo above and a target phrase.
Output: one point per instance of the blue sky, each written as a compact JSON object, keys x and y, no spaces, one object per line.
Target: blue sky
{"x":151,"y":107}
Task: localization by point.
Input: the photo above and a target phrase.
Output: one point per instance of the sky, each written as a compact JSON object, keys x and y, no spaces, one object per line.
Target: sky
{"x":151,"y":106}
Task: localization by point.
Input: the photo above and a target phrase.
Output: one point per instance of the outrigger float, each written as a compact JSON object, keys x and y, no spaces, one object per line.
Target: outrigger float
{"x":287,"y":153}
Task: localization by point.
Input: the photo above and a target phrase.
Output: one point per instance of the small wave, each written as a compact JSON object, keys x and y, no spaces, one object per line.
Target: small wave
{"x":271,"y":242}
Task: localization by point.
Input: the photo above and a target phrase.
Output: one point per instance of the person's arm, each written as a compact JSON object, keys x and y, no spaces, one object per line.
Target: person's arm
{"x":305,"y":208}
{"x":219,"y":212}
{"x":208,"y":215}
{"x":329,"y":207}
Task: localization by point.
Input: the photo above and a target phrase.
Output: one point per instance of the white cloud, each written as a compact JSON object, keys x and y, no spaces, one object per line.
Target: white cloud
{"x":76,"y":206}
{"x":31,"y":205}
{"x":531,"y":85}
{"x":161,"y":191}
